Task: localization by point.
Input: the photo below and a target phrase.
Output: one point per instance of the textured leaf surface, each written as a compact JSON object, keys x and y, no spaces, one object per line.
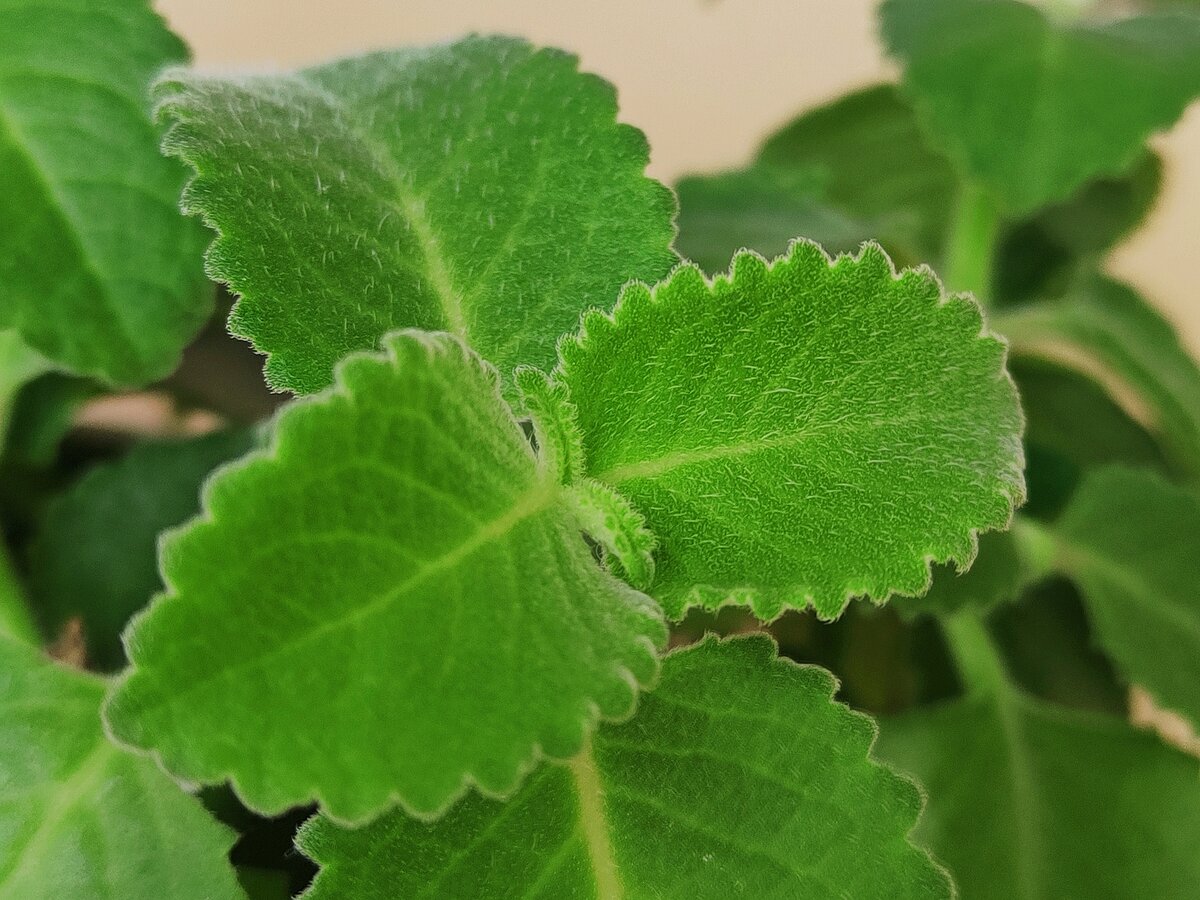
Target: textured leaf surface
{"x":1131,"y":540}
{"x":800,"y":431}
{"x":482,"y":187}
{"x":80,"y":818}
{"x":1106,"y":331}
{"x":98,"y":271}
{"x":1033,"y":107}
{"x":1026,"y":801}
{"x":395,"y":600}
{"x":737,"y":777}
{"x":96,"y":553}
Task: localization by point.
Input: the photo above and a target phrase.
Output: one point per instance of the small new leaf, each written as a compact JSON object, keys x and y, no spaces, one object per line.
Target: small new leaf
{"x":802,"y":431}
{"x":81,"y":818}
{"x":737,"y":777}
{"x":98,"y":271}
{"x":1032,"y":107}
{"x":481,"y":187}
{"x":395,"y":601}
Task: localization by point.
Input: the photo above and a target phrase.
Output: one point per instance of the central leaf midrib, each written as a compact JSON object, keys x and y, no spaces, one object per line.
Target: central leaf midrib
{"x":539,"y":498}
{"x":67,"y":795}
{"x":70,"y":229}
{"x":411,"y":207}
{"x":594,"y":826}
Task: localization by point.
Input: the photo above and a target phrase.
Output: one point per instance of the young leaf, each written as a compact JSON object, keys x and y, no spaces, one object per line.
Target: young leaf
{"x":1129,"y":539}
{"x":1106,"y":331}
{"x":738,"y":776}
{"x":395,"y":600}
{"x":98,"y":271}
{"x":481,"y":187}
{"x":1033,"y":107}
{"x":799,"y":431}
{"x":95,"y":553}
{"x":79,"y":817}
{"x":1028,"y":801}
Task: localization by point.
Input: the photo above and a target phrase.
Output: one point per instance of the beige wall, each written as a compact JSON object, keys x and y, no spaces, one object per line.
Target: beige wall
{"x":703,"y":78}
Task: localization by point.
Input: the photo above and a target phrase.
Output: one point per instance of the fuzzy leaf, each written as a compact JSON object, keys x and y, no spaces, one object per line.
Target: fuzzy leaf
{"x":481,"y":187}
{"x":737,"y":777}
{"x":95,"y":553}
{"x":1132,"y":542}
{"x":1027,"y":801}
{"x":1106,"y":331}
{"x":801,"y":431}
{"x":80,"y":818}
{"x":1033,"y":107}
{"x":395,"y":600}
{"x":98,"y":271}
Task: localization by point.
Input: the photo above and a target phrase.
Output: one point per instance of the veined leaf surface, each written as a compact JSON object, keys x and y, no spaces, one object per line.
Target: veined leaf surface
{"x":98,"y":270}
{"x":481,"y":187}
{"x":802,"y":431}
{"x":738,"y":777}
{"x":80,"y":817}
{"x":400,"y":551}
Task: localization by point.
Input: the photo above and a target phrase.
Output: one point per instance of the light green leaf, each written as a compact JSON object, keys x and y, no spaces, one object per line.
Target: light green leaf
{"x":1131,"y":540}
{"x":98,"y":271}
{"x":395,"y":600}
{"x":1008,"y":562}
{"x":737,"y":777}
{"x":1032,"y":107}
{"x":80,"y":818}
{"x":1106,"y":331}
{"x":95,"y":552}
{"x":481,"y":187}
{"x":876,"y":167}
{"x":801,"y":431}
{"x":1026,"y":801}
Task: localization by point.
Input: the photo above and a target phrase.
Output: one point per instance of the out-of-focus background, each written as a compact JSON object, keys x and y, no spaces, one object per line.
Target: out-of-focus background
{"x":705,"y":79}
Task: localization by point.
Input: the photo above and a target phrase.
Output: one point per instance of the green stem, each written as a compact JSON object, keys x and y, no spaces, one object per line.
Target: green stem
{"x":972,"y":243}
{"x":975,"y":654}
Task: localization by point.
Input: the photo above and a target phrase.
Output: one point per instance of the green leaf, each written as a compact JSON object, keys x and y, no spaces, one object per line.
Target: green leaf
{"x":80,"y":818}
{"x":801,"y":431}
{"x":95,"y":553}
{"x":876,"y":167}
{"x":1032,"y":107}
{"x":1008,"y":562}
{"x":395,"y":600}
{"x":1028,"y":801}
{"x":1072,"y":425}
{"x":481,"y":187}
{"x":1109,"y":333}
{"x":1043,"y":254}
{"x":762,"y":209}
{"x":737,"y":777}
{"x":1132,"y":542}
{"x":98,"y":271}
